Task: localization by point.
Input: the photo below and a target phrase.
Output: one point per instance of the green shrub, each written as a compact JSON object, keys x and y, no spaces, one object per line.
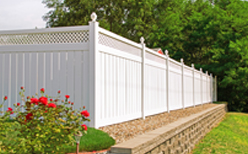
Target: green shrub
{"x":44,"y":127}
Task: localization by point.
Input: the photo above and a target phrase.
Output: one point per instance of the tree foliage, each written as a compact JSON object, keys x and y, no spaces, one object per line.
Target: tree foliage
{"x":213,"y":34}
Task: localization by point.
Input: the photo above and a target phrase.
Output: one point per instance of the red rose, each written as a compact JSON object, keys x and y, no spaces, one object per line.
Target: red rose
{"x":51,"y":100}
{"x":69,"y":102}
{"x":29,"y":116}
{"x":42,"y":90}
{"x":10,"y":110}
{"x":28,"y":97}
{"x":72,"y":103}
{"x":5,"y":98}
{"x":52,"y":105}
{"x":83,"y":107}
{"x":43,"y":100}
{"x":22,"y":88}
{"x":67,"y":96}
{"x":59,"y":92}
{"x":45,"y":111}
{"x":18,"y":104}
{"x":85,"y":113}
{"x":34,"y":100}
{"x":84,"y":127}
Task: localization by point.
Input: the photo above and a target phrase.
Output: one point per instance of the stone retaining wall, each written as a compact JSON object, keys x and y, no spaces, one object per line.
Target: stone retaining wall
{"x":175,"y":138}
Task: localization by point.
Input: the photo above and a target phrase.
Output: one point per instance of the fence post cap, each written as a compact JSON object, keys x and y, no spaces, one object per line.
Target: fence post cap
{"x":201,"y":69}
{"x":192,"y":65}
{"x":206,"y":72}
{"x":142,"y":40}
{"x":181,"y":60}
{"x":93,"y":16}
{"x":167,"y":53}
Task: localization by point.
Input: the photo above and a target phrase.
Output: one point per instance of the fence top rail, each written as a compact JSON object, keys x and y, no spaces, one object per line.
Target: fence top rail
{"x":187,"y":67}
{"x":44,"y":30}
{"x":174,"y":61}
{"x":119,"y":38}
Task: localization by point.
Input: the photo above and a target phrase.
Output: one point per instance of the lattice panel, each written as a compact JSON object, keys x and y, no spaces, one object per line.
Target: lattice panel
{"x":116,"y":44}
{"x":154,"y":58}
{"x":45,"y":38}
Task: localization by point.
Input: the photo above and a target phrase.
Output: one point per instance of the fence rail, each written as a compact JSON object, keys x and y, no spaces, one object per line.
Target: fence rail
{"x":115,"y":78}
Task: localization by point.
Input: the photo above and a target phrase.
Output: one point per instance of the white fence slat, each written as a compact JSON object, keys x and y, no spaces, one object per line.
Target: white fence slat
{"x":63,"y":75}
{"x":123,"y":85}
{"x":107,"y":78}
{"x":1,"y":78}
{"x":117,"y":87}
{"x":14,"y":92}
{"x":56,"y":77}
{"x":70,"y":75}
{"x":6,"y":80}
{"x":33,"y":73}
{"x":77,"y":80}
{"x":114,"y":92}
{"x":48,"y":69}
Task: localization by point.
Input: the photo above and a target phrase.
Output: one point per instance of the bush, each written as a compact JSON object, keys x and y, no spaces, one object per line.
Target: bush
{"x":44,"y":127}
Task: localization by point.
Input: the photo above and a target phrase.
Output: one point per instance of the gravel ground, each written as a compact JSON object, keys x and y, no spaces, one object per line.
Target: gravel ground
{"x":124,"y":131}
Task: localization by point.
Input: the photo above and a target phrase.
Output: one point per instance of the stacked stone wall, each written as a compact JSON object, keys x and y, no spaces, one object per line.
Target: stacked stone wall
{"x":178,"y":137}
{"x":184,"y":141}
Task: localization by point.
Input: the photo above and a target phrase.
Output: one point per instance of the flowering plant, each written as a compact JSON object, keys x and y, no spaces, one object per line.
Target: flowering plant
{"x":45,"y":125}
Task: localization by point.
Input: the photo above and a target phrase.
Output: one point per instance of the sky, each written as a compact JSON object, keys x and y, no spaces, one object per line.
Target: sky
{"x":22,"y":14}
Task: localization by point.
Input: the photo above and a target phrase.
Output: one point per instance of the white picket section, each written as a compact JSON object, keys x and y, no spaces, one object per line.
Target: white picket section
{"x":120,"y":89}
{"x":188,"y":87}
{"x":175,"y":85}
{"x":197,"y":88}
{"x":115,"y":78}
{"x":155,"y":88}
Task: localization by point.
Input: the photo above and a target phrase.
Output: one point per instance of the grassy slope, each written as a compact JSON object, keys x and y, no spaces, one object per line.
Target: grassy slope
{"x":230,"y":137}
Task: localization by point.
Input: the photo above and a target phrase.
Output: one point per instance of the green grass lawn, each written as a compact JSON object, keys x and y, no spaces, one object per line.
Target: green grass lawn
{"x":230,"y":137}
{"x":94,"y":140}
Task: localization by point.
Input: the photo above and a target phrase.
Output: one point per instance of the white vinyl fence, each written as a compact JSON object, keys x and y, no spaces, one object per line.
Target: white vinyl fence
{"x":115,"y":78}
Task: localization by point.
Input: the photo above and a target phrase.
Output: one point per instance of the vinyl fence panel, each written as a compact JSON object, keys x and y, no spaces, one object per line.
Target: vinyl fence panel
{"x":116,"y":79}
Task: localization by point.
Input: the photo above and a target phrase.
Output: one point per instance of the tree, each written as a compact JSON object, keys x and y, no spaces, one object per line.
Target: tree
{"x":227,"y":55}
{"x":131,"y":18}
{"x":213,"y":37}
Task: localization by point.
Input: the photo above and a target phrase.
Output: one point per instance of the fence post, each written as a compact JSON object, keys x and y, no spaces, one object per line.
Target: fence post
{"x":167,"y":80}
{"x":193,"y":72}
{"x":206,"y":88}
{"x":201,"y":87}
{"x":215,"y":88}
{"x":211,"y":87}
{"x":143,"y":77}
{"x":182,"y":83}
{"x":93,"y":69}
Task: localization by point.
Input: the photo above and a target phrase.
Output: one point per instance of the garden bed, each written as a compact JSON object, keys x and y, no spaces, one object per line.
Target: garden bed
{"x":128,"y":130}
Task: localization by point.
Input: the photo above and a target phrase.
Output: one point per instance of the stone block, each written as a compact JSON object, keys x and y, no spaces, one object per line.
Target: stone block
{"x":155,"y":150}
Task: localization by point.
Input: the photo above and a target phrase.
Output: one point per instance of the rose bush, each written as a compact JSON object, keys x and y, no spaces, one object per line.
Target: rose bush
{"x":45,"y":125}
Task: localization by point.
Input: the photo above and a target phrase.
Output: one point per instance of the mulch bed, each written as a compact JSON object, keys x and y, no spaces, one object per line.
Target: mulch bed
{"x":128,"y":130}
